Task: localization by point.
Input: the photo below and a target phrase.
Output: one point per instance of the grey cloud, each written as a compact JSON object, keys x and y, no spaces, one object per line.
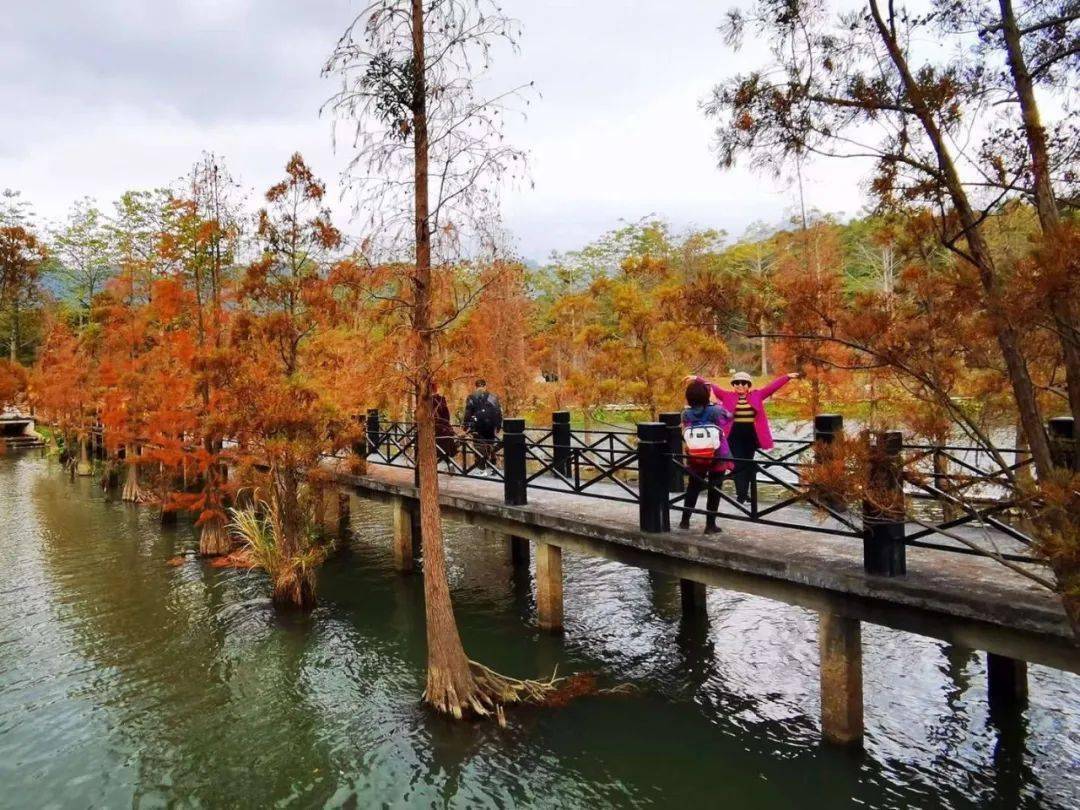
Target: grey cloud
{"x":211,"y":62}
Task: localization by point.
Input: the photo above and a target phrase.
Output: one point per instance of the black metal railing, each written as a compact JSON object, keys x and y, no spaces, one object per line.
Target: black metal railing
{"x":951,"y":488}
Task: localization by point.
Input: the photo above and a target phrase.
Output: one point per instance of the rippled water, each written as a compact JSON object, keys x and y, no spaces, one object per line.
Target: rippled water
{"x":127,"y":682}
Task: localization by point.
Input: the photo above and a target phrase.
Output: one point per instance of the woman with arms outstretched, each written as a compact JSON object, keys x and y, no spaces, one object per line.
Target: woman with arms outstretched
{"x":749,"y":431}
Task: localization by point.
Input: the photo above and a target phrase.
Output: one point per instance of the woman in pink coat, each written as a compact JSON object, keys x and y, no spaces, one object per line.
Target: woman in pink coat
{"x":749,"y":430}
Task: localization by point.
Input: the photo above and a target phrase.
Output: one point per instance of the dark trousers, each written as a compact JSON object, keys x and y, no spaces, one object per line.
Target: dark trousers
{"x":484,"y":441}
{"x":743,"y":442}
{"x":445,"y":446}
{"x":694,"y":485}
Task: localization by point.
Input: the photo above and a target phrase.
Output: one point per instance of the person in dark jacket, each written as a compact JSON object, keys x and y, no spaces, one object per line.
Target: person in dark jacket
{"x":483,"y":420}
{"x":709,"y":471}
{"x":445,"y":440}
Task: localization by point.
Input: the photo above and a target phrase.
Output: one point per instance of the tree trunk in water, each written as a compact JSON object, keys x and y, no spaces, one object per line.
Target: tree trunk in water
{"x":294,"y":587}
{"x":214,"y":539}
{"x":131,"y":492}
{"x":451,"y":688}
{"x":84,"y":467}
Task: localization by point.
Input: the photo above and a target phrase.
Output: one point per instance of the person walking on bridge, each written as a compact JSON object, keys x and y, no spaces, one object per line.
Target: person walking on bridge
{"x":708,"y":459}
{"x":749,"y":431}
{"x":445,"y":440}
{"x":483,"y":420}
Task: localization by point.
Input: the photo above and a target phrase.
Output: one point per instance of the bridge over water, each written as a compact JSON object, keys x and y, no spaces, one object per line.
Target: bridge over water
{"x":610,"y":494}
{"x":17,"y":431}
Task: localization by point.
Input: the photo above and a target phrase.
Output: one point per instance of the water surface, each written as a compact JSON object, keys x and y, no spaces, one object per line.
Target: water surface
{"x":125,"y":681}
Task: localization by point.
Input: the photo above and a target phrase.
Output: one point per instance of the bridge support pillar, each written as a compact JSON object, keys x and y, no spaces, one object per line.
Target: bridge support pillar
{"x":519,"y":551}
{"x":549,"y":587}
{"x":1006,"y":684}
{"x":693,"y":597}
{"x":344,"y":515}
{"x":840,"y":645}
{"x":403,"y":535}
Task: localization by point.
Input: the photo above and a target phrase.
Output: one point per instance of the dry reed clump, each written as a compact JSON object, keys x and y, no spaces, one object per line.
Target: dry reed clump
{"x":291,"y":562}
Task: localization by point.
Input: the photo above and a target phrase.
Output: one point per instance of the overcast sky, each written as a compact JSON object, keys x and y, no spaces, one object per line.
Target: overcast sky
{"x":104,"y":96}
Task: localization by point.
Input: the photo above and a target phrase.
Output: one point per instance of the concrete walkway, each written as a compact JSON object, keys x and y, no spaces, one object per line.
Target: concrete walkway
{"x":962,"y":598}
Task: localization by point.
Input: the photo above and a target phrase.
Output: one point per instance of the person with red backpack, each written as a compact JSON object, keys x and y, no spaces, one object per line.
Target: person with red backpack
{"x":749,"y":429}
{"x":707,"y":455}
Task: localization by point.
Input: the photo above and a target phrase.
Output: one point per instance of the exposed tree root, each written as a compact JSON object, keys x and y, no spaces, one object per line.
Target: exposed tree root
{"x":237,"y":559}
{"x":132,"y":492}
{"x":493,"y":692}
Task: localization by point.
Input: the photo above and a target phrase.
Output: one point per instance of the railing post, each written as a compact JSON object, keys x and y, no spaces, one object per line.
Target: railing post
{"x":676,"y":474}
{"x":1062,"y":432}
{"x":372,"y":431}
{"x":560,"y":439}
{"x":827,"y":428}
{"x":515,"y":488}
{"x":653,"y":460}
{"x":884,"y":551}
{"x":344,"y":515}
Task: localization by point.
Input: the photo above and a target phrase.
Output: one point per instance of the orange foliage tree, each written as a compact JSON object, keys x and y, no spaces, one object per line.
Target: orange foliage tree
{"x":21,"y":257}
{"x":271,"y":401}
{"x":644,"y":339}
{"x":63,"y":390}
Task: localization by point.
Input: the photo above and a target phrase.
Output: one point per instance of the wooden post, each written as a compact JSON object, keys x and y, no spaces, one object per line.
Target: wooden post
{"x":676,"y":472}
{"x":653,"y":460}
{"x":840,"y":646}
{"x":549,"y":587}
{"x":560,"y":442}
{"x":693,"y":597}
{"x":1062,"y":432}
{"x":403,"y":535}
{"x":344,"y":515}
{"x":1006,"y":683}
{"x":515,"y":486}
{"x":519,"y":551}
{"x":884,"y":552}
{"x":417,"y":535}
{"x":827,"y":428}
